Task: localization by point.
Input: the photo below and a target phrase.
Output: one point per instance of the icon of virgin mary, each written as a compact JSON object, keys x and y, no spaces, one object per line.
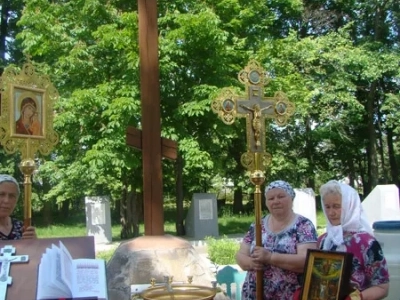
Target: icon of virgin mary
{"x":28,"y":121}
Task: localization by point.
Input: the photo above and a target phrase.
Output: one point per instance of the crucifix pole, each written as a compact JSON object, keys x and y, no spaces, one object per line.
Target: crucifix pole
{"x":151,"y":123}
{"x":255,"y":108}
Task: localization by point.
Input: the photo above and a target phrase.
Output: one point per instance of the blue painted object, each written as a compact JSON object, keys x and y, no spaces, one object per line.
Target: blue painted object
{"x":386,"y":225}
{"x":229,"y":276}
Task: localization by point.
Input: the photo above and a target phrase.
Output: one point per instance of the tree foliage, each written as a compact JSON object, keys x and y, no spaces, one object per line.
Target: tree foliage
{"x":336,"y":60}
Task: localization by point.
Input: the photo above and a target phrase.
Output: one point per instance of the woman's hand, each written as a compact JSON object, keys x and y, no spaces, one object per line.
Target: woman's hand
{"x":29,"y":233}
{"x":255,"y":265}
{"x":261,"y":255}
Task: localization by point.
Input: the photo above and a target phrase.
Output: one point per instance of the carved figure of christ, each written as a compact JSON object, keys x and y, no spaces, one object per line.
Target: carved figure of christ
{"x":256,"y":108}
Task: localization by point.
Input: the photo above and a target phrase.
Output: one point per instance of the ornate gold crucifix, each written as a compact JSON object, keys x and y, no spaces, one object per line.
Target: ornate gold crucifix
{"x":255,"y":108}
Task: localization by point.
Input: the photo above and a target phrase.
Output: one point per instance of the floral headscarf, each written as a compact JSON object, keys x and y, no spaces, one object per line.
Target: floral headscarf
{"x":283,"y":185}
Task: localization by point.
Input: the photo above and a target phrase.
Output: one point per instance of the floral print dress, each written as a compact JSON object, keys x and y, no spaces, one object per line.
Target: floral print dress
{"x":369,"y":265}
{"x":16,"y":231}
{"x":278,"y":283}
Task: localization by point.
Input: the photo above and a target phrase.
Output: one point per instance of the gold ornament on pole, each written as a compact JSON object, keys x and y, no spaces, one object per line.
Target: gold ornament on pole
{"x":255,"y":108}
{"x":26,"y":120}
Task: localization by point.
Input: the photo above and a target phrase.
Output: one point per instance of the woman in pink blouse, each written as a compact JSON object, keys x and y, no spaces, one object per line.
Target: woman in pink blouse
{"x":348,"y":230}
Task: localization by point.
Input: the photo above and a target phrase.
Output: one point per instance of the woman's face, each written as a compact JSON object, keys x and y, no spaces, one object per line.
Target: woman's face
{"x":8,"y":198}
{"x":333,"y":208}
{"x":29,"y":111}
{"x":278,"y":201}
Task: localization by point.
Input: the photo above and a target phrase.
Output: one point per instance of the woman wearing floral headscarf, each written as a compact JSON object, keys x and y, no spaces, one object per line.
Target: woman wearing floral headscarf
{"x":285,"y":236}
{"x":11,"y":228}
{"x":348,"y":230}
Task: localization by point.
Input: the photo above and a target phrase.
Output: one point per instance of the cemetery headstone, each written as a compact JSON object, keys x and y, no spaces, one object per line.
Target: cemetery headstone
{"x":304,"y":204}
{"x":202,"y":216}
{"x":98,"y":219}
{"x":388,"y":235}
{"x":382,"y":204}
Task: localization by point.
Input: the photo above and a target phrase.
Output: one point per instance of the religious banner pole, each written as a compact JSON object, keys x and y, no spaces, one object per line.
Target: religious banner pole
{"x":255,"y":108}
{"x":26,"y":121}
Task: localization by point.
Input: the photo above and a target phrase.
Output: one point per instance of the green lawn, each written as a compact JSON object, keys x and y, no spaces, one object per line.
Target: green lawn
{"x":222,"y":250}
{"x":76,"y":226}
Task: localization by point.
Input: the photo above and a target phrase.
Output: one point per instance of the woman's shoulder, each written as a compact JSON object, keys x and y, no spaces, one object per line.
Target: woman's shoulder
{"x":302,"y":220}
{"x":359,"y":239}
{"x":360,"y":236}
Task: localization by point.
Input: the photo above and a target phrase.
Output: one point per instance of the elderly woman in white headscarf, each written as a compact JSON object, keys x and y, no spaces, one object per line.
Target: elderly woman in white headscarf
{"x":285,"y":238}
{"x":11,"y":228}
{"x":348,"y":230}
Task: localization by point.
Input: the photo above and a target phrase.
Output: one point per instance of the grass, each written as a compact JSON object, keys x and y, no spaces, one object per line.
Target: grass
{"x":75,"y":225}
{"x":228,"y":223}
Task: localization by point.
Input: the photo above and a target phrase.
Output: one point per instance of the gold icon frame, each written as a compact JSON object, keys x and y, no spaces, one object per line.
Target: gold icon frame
{"x":15,"y":86}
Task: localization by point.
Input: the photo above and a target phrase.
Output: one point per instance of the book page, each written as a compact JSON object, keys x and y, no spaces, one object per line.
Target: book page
{"x":66,"y":266}
{"x":44,"y":288}
{"x":89,"y":278}
{"x":49,"y":284}
{"x":56,"y":269}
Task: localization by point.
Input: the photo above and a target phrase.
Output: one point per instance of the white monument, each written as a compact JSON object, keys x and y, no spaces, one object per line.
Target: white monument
{"x":382,"y":204}
{"x":388,"y":235}
{"x":202,"y":216}
{"x":98,"y":219}
{"x":304,"y":204}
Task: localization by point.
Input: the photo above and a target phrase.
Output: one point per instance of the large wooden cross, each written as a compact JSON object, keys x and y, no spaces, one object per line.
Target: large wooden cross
{"x":149,"y":139}
{"x":255,"y":108}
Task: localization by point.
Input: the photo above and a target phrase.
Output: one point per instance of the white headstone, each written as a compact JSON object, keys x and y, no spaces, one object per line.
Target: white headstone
{"x":304,"y":204}
{"x":98,"y":219}
{"x":382,"y":204}
{"x":202,"y":216}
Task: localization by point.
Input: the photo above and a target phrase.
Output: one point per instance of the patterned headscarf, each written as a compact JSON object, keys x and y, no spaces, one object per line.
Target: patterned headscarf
{"x":8,"y":178}
{"x":283,"y":185}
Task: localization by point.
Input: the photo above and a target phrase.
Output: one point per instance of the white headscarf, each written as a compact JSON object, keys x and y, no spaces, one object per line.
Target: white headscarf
{"x":8,"y":178}
{"x":353,"y":217}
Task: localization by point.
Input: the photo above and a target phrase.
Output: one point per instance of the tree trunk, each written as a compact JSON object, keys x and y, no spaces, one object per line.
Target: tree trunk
{"x":352,"y":173}
{"x":125,"y":228}
{"x":131,"y":212}
{"x":392,"y":158}
{"x":309,"y":151}
{"x":180,"y":228}
{"x":373,"y":170}
{"x":361,"y":167}
{"x":5,"y":10}
{"x":381,"y":152}
{"x":238,"y":201}
{"x":65,"y":208}
{"x":47,"y":213}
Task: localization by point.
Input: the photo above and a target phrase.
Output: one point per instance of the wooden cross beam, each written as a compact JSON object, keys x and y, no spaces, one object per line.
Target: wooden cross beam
{"x":134,"y":139}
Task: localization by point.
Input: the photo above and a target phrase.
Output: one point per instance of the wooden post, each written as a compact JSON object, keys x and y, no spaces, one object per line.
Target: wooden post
{"x":151,"y":123}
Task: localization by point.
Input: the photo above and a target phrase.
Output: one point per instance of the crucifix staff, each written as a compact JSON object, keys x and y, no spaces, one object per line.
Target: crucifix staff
{"x":255,"y":108}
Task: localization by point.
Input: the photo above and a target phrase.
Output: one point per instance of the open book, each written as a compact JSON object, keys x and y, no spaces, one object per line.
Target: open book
{"x":61,"y":277}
